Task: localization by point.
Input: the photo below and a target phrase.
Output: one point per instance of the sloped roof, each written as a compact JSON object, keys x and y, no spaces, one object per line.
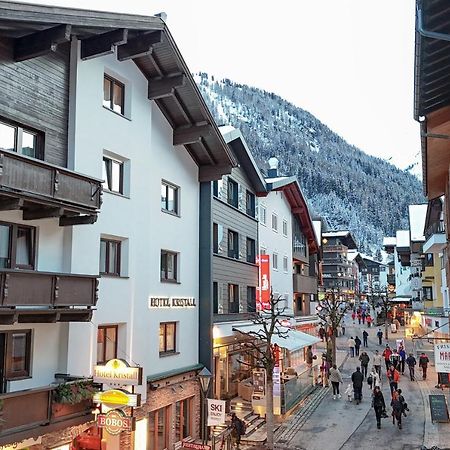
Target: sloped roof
{"x":389,"y":241}
{"x":345,"y":235}
{"x":403,"y":239}
{"x":171,"y":84}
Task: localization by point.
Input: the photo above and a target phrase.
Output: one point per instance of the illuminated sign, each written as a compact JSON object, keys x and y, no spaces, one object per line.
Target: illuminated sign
{"x":115,"y":421}
{"x":263,"y":300}
{"x":115,"y":398}
{"x":171,"y":302}
{"x":118,"y":373}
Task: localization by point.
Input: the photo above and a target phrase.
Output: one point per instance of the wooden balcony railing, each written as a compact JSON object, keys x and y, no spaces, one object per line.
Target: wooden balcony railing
{"x":435,"y":228}
{"x":305,"y":284}
{"x":41,"y":186}
{"x":32,"y":412}
{"x":46,"y":296}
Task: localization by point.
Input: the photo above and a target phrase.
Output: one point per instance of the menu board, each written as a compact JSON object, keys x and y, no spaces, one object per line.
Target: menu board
{"x":438,"y":408}
{"x":444,"y":379}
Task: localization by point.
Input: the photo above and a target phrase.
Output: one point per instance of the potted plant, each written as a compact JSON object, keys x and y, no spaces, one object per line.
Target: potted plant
{"x":72,"y":397}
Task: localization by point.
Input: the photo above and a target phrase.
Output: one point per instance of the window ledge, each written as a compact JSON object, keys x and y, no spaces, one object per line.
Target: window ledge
{"x":111,"y":275}
{"x":166,"y":354}
{"x":170,"y":281}
{"x":25,"y":377}
{"x":170,"y":213}
{"x":116,"y":113}
{"x":117,"y":194}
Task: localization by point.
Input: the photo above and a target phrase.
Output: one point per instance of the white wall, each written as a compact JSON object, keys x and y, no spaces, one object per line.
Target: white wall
{"x":275,"y":242}
{"x":402,"y":284}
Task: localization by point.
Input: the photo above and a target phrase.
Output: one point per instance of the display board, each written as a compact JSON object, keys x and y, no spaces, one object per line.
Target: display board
{"x":438,"y":408}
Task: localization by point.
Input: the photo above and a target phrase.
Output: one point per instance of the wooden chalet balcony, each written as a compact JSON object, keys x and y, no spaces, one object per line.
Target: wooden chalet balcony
{"x":28,"y":296}
{"x":32,"y":413}
{"x":305,"y":284}
{"x":43,"y":190}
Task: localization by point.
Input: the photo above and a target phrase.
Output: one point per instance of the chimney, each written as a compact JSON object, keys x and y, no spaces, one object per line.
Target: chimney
{"x":273,"y":167}
{"x":162,"y":16}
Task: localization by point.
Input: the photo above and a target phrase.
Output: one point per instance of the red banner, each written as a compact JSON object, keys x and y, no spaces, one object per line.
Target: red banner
{"x":263,"y":300}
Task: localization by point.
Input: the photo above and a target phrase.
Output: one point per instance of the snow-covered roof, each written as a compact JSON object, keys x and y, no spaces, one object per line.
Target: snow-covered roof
{"x":389,"y":242}
{"x":403,"y":238}
{"x":276,"y":179}
{"x":317,"y":225}
{"x":336,"y":233}
{"x":417,"y":217}
{"x":352,"y":254}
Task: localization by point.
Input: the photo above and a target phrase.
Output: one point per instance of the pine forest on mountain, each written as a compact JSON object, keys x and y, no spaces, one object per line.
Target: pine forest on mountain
{"x":348,"y":188}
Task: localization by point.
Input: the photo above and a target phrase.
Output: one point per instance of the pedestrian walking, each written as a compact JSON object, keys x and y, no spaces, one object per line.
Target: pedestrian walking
{"x":343,"y":327}
{"x":393,"y":376}
{"x":351,"y":346}
{"x":375,"y":379}
{"x":423,"y":363}
{"x":336,"y":378}
{"x":402,"y":354}
{"x":369,"y":320}
{"x":322,"y":333}
{"x":359,"y":318}
{"x":357,"y":345}
{"x":309,"y":359}
{"x":411,"y":362}
{"x":324,"y":370}
{"x":376,"y":361}
{"x":380,"y":336}
{"x":397,"y":410}
{"x":365,"y":337}
{"x":402,"y":400}
{"x":387,"y":356}
{"x":237,"y":429}
{"x":378,"y":405}
{"x":364,"y":358}
{"x":395,"y":359}
{"x":357,"y":380}
{"x":353,"y":317}
{"x":363,"y":317}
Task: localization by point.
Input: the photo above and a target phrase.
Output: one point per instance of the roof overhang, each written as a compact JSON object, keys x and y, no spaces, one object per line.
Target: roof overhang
{"x":345,"y":236}
{"x":146,"y":41}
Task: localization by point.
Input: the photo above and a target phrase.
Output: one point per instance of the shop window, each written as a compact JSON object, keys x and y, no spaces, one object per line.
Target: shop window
{"x":169,"y":266}
{"x":167,"y":338}
{"x":233,"y":298}
{"x":18,"y":354}
{"x":110,"y":257}
{"x":107,"y":336}
{"x":233,"y":194}
{"x":16,"y":138}
{"x":183,"y":419}
{"x":113,"y":95}
{"x":159,"y":428}
{"x":170,"y":198}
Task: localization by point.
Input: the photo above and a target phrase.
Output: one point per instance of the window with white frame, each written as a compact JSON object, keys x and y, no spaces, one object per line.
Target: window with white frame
{"x":285,"y":263}
{"x":275,"y":261}
{"x":262,"y":214}
{"x":285,"y":227}
{"x":274,"y":222}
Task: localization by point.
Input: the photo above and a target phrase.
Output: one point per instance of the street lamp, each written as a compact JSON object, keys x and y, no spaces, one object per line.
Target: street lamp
{"x":204,"y":378}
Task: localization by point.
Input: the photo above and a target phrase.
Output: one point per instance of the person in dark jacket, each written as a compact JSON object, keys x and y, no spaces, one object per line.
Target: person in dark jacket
{"x":378,"y":405}
{"x":364,"y":358}
{"x":357,"y":345}
{"x":411,"y":362}
{"x":380,"y":336}
{"x":365,"y":336}
{"x":357,"y":380}
{"x":402,"y":354}
{"x":237,"y":429}
{"x":397,"y":410}
{"x":423,"y":362}
{"x":402,"y":400}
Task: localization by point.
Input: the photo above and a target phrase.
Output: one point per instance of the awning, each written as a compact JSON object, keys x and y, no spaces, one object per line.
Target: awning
{"x":295,"y":340}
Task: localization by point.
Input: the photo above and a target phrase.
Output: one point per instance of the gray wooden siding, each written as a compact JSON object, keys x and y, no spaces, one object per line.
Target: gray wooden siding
{"x":35,"y":93}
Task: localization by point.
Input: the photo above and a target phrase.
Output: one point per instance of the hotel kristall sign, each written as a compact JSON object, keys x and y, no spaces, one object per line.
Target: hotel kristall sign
{"x":171,"y":302}
{"x":117,"y":372}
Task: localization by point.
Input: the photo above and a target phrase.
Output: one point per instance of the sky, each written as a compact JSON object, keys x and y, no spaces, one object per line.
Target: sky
{"x":348,"y":62}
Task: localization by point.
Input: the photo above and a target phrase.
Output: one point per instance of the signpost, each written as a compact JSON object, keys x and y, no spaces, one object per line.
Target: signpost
{"x":117,"y":398}
{"x":442,"y":357}
{"x":438,"y":408}
{"x":117,"y":372}
{"x":115,"y":421}
{"x":216,"y":412}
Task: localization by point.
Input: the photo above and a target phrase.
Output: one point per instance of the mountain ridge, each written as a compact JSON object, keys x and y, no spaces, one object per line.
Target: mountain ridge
{"x":347,"y":187}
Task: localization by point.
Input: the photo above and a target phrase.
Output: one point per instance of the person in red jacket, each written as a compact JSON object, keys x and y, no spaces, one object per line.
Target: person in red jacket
{"x":393,"y":376}
{"x":387,"y":356}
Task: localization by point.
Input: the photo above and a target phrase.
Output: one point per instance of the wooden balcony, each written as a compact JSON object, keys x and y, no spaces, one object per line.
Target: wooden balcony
{"x":304,"y":284}
{"x":43,"y":190}
{"x":28,"y":296}
{"x":32,"y":413}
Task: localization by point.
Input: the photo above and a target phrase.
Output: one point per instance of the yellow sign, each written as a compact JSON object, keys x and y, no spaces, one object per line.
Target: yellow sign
{"x":117,"y":372}
{"x":115,"y":398}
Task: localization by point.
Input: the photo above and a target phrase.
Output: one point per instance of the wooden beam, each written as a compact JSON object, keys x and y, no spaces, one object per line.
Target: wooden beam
{"x":140,"y":46}
{"x":190,"y":135}
{"x":41,"y":42}
{"x":11,"y":204}
{"x":211,"y":173}
{"x":165,"y":86}
{"x":298,"y":210}
{"x":42,"y":213}
{"x":103,"y":44}
{"x":77,"y":220}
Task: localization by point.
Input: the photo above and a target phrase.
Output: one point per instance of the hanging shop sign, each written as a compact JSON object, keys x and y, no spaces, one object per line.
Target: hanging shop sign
{"x":442,"y":357}
{"x":117,"y":372}
{"x":263,"y":296}
{"x":195,"y":446}
{"x":116,"y":398}
{"x":171,"y":302}
{"x":115,"y":421}
{"x":216,"y":412}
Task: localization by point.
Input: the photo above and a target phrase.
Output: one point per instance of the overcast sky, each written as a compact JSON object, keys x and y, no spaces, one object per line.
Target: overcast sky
{"x":349,"y":62}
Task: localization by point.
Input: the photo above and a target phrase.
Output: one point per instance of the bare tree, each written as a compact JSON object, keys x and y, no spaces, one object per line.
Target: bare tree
{"x":331,"y":309}
{"x":260,"y":346}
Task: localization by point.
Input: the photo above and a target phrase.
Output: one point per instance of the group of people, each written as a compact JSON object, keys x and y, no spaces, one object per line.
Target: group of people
{"x":354,"y":344}
{"x":362,"y":316}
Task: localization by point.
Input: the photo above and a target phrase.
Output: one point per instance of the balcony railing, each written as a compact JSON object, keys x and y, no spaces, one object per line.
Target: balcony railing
{"x":32,"y":296}
{"x":305,"y":284}
{"x":435,"y":228}
{"x":41,"y":186}
{"x":33,"y":412}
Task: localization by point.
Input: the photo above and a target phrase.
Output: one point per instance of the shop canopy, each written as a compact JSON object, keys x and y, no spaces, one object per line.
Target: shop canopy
{"x":294,"y":340}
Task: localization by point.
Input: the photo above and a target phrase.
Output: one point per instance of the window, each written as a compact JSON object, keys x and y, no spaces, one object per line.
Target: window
{"x":427,"y":292}
{"x":18,"y":354}
{"x":429,"y":260}
{"x":233,"y":298}
{"x":167,"y":337}
{"x":113,"y":95}
{"x":251,"y":250}
{"x":233,"y":244}
{"x":233,"y":194}
{"x":169,"y":198}
{"x":169,"y":266}
{"x":215,"y":297}
{"x":250,"y":204}
{"x":106,"y":343}
{"x":159,"y":423}
{"x":113,"y":175}
{"x":262,"y":214}
{"x":183,"y":419}
{"x":251,"y":298}
{"x":285,"y":228}
{"x":110,"y":257}
{"x":215,"y":238}
{"x":285,"y":263}
{"x":17,"y":246}
{"x":275,"y":261}
{"x":274,"y":222}
{"x":217,"y":188}
{"x":15,"y":138}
